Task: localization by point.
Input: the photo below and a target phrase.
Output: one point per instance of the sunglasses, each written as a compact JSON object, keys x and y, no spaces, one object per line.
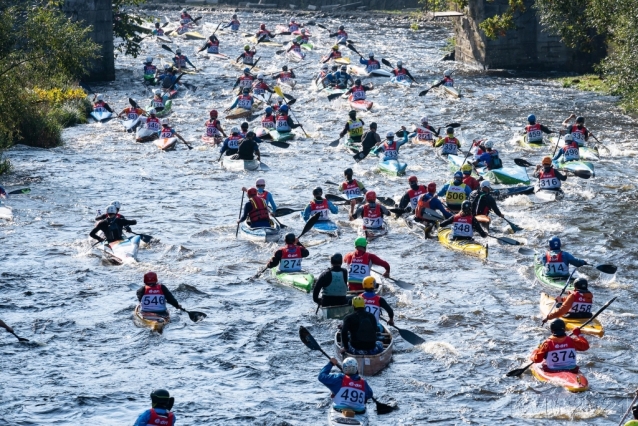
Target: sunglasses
{"x":261,"y":186}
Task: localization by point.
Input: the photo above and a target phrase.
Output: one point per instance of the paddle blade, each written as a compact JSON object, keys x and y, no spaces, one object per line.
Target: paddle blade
{"x":280,"y":144}
{"x":384,"y":408}
{"x":334,"y":96}
{"x":509,"y":241}
{"x":20,"y":339}
{"x":165,"y":47}
{"x":311,"y":222}
{"x":292,"y":101}
{"x":279,"y":92}
{"x":386,"y":201}
{"x":146,"y":238}
{"x":196,"y":316}
{"x":583,"y":174}
{"x":386,"y":62}
{"x":410,"y":337}
{"x":20,"y":191}
{"x":522,"y":162}
{"x":526,"y":251}
{"x":332,"y":197}
{"x":284,"y":211}
{"x":515,"y":227}
{"x":519,"y":371}
{"x":279,"y":52}
{"x":334,"y":143}
{"x":404,"y":285}
{"x":307,"y":339}
{"x":607,"y":269}
{"x":424,"y":92}
{"x":397,"y":211}
{"x":133,"y":103}
{"x":453,"y":125}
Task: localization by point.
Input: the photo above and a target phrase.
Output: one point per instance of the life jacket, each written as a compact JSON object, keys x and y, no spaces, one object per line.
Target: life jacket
{"x":259,"y":87}
{"x":180,"y":60}
{"x":263,"y":195}
{"x":421,"y":206}
{"x":337,"y":287}
{"x":341,"y":34}
{"x":282,"y":123}
{"x":372,"y":218}
{"x":355,"y":128}
{"x":448,"y":81}
{"x":99,"y":106}
{"x":578,"y":134}
{"x":352,"y":394}
{"x":132,"y":113}
{"x":534,"y":133}
{"x":322,"y":208}
{"x":212,"y":128}
{"x":153,"y":299}
{"x":245,"y":102}
{"x":259,"y":213}
{"x":213,"y":46}
{"x":455,"y":195}
{"x":358,"y":93}
{"x":495,"y":161}
{"x":296,"y":47}
{"x":246,"y":81}
{"x":373,"y":304}
{"x":581,"y":308}
{"x":166,"y":132}
{"x":367,"y":331}
{"x":234,"y":25}
{"x":157,"y":419}
{"x":351,"y":189}
{"x":185,"y":16}
{"x":248,"y":57}
{"x":450,"y":146}
{"x":359,"y":268}
{"x":290,"y":259}
{"x":268,"y":122}
{"x":555,"y":266}
{"x":157,"y":102}
{"x":415,"y":195}
{"x":400,"y":74}
{"x":263,"y":33}
{"x":548,"y":180}
{"x":390,"y":150}
{"x":424,"y":134}
{"x":114,"y":231}
{"x":372,"y":65}
{"x":149,"y":70}
{"x":462,"y":226}
{"x":293,"y":27}
{"x":233,"y":141}
{"x":153,"y":124}
{"x":560,"y":356}
{"x":285,"y":75}
{"x":335,"y":54}
{"x":571,"y":152}
{"x":158,"y":31}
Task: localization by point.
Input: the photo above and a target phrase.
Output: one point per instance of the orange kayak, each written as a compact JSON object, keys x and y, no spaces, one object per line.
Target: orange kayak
{"x":573,"y":382}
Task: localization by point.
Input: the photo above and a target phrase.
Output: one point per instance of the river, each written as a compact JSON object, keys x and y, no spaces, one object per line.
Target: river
{"x":245,"y":365}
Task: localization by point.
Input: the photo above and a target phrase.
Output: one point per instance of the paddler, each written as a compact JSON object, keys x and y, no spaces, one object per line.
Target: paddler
{"x":284,"y":123}
{"x":429,"y":200}
{"x":577,"y":303}
{"x":370,"y":139}
{"x":370,"y":63}
{"x":211,"y":45}
{"x":153,"y":296}
{"x":231,"y":143}
{"x":160,"y":414}
{"x":166,"y":75}
{"x":260,"y":87}
{"x":131,"y":113}
{"x":255,"y":209}
{"x":579,"y":132}
{"x":331,"y":284}
{"x":447,"y":80}
{"x":111,"y":226}
{"x":483,"y":202}
{"x":359,"y":331}
{"x":149,"y":70}
{"x":341,"y":35}
{"x":558,"y":352}
{"x":375,"y":303}
{"x":214,"y":126}
{"x":569,"y":152}
{"x":371,"y":212}
{"x":634,"y":412}
{"x":360,"y":262}
{"x":449,"y":144}
{"x":184,"y":26}
{"x":158,"y":31}
{"x":263,"y":34}
{"x":411,"y":197}
{"x":293,"y":25}
{"x":151,"y":122}
{"x":285,"y":75}
{"x":349,"y":391}
{"x":117,"y":206}
{"x":424,"y":132}
{"x":548,"y":176}
{"x":556,"y":261}
{"x":295,"y":46}
{"x":288,"y":258}
{"x":248,"y":148}
{"x":358,"y":90}
{"x":99,"y":105}
{"x":268,"y":121}
{"x":233,"y":24}
{"x":455,"y":192}
{"x":329,"y":80}
{"x":323,"y":74}
{"x":390,"y":148}
{"x":260,"y":184}
{"x":185,"y":16}
{"x":464,"y":224}
{"x":180,"y":60}
{"x":400,"y":73}
{"x":534,"y":131}
{"x":335,"y":53}
{"x":320,"y":205}
{"x":248,"y":56}
{"x":244,"y":101}
{"x":352,"y":189}
{"x":169,"y":81}
{"x":158,"y":100}
{"x":489,"y":158}
{"x":342,"y":79}
{"x":244,"y":81}
{"x":168,"y":132}
{"x":353,"y":127}
{"x":304,"y":37}
{"x":468,"y":179}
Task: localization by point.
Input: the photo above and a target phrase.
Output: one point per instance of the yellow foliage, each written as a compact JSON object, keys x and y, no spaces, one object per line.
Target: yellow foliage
{"x":57,"y":96}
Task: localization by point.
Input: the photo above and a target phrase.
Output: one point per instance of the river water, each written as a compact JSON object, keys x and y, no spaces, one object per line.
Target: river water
{"x":244,"y":365}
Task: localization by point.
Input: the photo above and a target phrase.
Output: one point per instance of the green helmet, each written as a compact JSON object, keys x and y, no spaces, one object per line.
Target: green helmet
{"x":361,"y":242}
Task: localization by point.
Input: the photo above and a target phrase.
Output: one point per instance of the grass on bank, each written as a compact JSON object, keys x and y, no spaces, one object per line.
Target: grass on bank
{"x":595,"y":83}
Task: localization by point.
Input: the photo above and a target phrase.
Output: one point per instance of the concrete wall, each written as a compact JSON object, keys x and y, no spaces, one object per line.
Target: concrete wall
{"x":527,"y":47}
{"x":98,"y":14}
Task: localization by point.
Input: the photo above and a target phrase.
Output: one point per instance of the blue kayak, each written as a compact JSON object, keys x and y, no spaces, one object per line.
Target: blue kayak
{"x":325,"y":226}
{"x":392,"y":167}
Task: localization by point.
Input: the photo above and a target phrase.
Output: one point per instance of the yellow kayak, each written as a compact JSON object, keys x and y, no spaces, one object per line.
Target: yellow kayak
{"x":594,"y":328}
{"x":150,"y":320}
{"x":471,"y":248}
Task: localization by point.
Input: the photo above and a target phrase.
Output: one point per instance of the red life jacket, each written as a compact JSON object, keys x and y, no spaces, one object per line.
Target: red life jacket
{"x":268,"y":122}
{"x":263,"y":195}
{"x":290,"y":258}
{"x":462,"y":226}
{"x":212,"y":43}
{"x":153,"y":299}
{"x":285,"y":75}
{"x":351,"y":190}
{"x":160,"y":420}
{"x":372,"y":218}
{"x":421,"y":206}
{"x":373,"y":305}
{"x":399,"y":72}
{"x":448,"y":81}
{"x":415,"y":195}
{"x":335,"y":54}
{"x":212,"y":128}
{"x":322,"y":208}
{"x":259,"y":211}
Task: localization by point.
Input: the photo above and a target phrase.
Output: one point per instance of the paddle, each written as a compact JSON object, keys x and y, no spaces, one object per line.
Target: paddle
{"x":404,"y":285}
{"x":312,"y":344}
{"x":600,"y":143}
{"x":241,"y":205}
{"x":399,"y":211}
{"x":517,"y":372}
{"x":351,"y":47}
{"x":194,"y":315}
{"x":560,"y":295}
{"x":176,"y":81}
{"x":281,"y":225}
{"x":334,"y":96}
{"x":332,"y":197}
{"x":556,"y":147}
{"x":407,"y":335}
{"x":386,"y":201}
{"x":515,"y":227}
{"x":21,"y":339}
{"x":628,"y":409}
{"x":284,"y":211}
{"x":278,"y":144}
{"x":281,"y":95}
{"x":506,"y":240}
{"x":386,"y":62}
{"x":425,"y":92}
{"x":334,"y":143}
{"x":526,"y":251}
{"x":255,"y":64}
{"x":133,"y":103}
{"x":146,"y":238}
{"x":583,"y":174}
{"x":20,"y":191}
{"x":190,"y":87}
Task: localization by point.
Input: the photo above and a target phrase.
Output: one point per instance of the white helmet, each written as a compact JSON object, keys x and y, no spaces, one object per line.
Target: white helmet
{"x":569,"y":138}
{"x":167,"y":66}
{"x":303,"y":31}
{"x":157,"y":92}
{"x":111,"y":210}
{"x":183,"y":10}
{"x":149,"y":59}
{"x":235,"y":130}
{"x":325,"y":67}
{"x":116,"y":204}
{"x":486,"y":184}
{"x":389,"y":135}
{"x":371,"y":55}
{"x":350,"y":366}
{"x":447,"y":73}
{"x":489,"y":144}
{"x":152,"y":111}
{"x":260,"y":182}
{"x":99,"y":97}
{"x":399,"y":63}
{"x":164,"y":121}
{"x":178,"y":51}
{"x":424,"y":119}
{"x":260,"y":76}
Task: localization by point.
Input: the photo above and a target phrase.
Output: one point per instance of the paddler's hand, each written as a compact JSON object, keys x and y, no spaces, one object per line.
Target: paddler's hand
{"x":576,"y":332}
{"x":351,"y":218}
{"x":238,"y":221}
{"x":544,"y":321}
{"x":391,"y":322}
{"x":100,"y":239}
{"x":334,"y":361}
{"x":386,"y":274}
{"x":128,"y":229}
{"x":244,"y":189}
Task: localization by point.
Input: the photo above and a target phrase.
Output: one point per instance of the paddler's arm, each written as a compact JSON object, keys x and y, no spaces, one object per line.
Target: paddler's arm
{"x":446,"y":222}
{"x":539,"y":353}
{"x":324,"y":279}
{"x":306,"y":212}
{"x":580,"y":343}
{"x":443,"y":190}
{"x":234,"y":103}
{"x":438,"y":84}
{"x":376,"y":260}
{"x":331,"y":381}
{"x":203,"y":48}
{"x":544,"y":129}
{"x":275,"y":259}
{"x":405,"y":201}
{"x":292,"y":123}
{"x":345,"y":130}
{"x":405,"y":137}
{"x":384,"y":305}
{"x":558,"y":154}
{"x":560,"y":176}
{"x":357,"y":213}
{"x":292,"y":73}
{"x":125,"y":222}
{"x":478,"y":227}
{"x":563,"y":309}
{"x":140,"y":293}
{"x":177,"y":135}
{"x":436,"y":132}
{"x":248,"y":207}
{"x":384,"y":210}
{"x":271,"y":202}
{"x":6,"y":327}
{"x":568,"y":120}
{"x":436,"y":204}
{"x":235,"y":85}
{"x":333,"y":209}
{"x":368,"y":390}
{"x":95,"y":230}
{"x":574,"y":261}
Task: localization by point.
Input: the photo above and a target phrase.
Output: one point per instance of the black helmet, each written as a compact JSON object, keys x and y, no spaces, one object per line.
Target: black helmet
{"x":353,"y":114}
{"x":317,"y":191}
{"x":373,"y":125}
{"x":336,"y":259}
{"x":244,"y":126}
{"x":466,"y":206}
{"x":580,"y":284}
{"x":335,"y":68}
{"x":450,"y":130}
{"x":250,"y":134}
{"x":634,"y":411}
{"x":580,"y":119}
{"x":290,"y":238}
{"x":285,"y":68}
{"x":557,"y":327}
{"x":347,"y":172}
{"x":357,"y":82}
{"x":341,"y":27}
{"x":162,"y":399}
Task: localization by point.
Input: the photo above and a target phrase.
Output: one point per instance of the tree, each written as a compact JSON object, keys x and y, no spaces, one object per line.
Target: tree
{"x":126,"y":27}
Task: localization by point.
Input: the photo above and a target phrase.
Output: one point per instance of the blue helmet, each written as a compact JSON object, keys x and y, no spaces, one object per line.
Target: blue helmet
{"x":284,"y":108}
{"x":554,"y":243}
{"x":246,"y":70}
{"x":458,"y":175}
{"x":268,"y":110}
{"x":531,"y":119}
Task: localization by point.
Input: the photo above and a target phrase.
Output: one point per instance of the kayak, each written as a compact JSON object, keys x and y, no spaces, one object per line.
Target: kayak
{"x":236,"y":113}
{"x":372,"y":234}
{"x":336,"y":312}
{"x":145,"y":134}
{"x":337,"y":418}
{"x":573,"y":382}
{"x":361,"y":72}
{"x":166,"y":144}
{"x":193,"y":35}
{"x":299,"y":280}
{"x":324,"y":226}
{"x":268,"y":234}
{"x":451,"y":91}
{"x":150,"y":320}
{"x":296,"y":56}
{"x":241,"y":66}
{"x":340,"y":61}
{"x":575,"y":166}
{"x":130,"y":125}
{"x":281,"y":136}
{"x":307,"y":46}
{"x":594,"y":328}
{"x":237,"y":165}
{"x":215,"y":140}
{"x":360,"y":105}
{"x":333,"y":91}
{"x":401,"y":83}
{"x":122,"y":251}
{"x":392,"y":167}
{"x":585,"y":152}
{"x":218,"y":56}
{"x":101,"y":116}
{"x":522,"y":140}
{"x":168,"y":105}
{"x":502,"y":193}
{"x":164,"y":39}
{"x":548,"y":195}
{"x":506,"y":175}
{"x":369,"y":365}
{"x":290,"y":83}
{"x":6,"y":213}
{"x":468,"y":247}
{"x":253,"y":40}
{"x":352,"y":146}
{"x":150,"y":79}
{"x":558,"y":282}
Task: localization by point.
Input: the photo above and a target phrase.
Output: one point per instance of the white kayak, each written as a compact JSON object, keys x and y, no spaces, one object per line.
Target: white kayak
{"x":270,"y":234}
{"x":401,"y":83}
{"x":6,"y":213}
{"x":122,"y":251}
{"x":166,"y":144}
{"x":130,"y":125}
{"x":239,"y":165}
{"x":101,"y":116}
{"x":145,"y":134}
{"x":361,"y":72}
{"x":336,"y":418}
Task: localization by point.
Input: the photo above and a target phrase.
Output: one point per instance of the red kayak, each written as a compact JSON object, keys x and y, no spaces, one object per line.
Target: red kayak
{"x":360,"y":105}
{"x":573,"y":382}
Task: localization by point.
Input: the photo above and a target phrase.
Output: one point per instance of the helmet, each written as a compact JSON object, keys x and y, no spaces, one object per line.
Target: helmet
{"x":580,"y":119}
{"x":486,"y":184}
{"x":252,"y":192}
{"x":336,"y":259}
{"x":350,"y":365}
{"x":580,"y":284}
{"x":246,"y":70}
{"x":284,"y":108}
{"x":371,"y":196}
{"x":348,"y":172}
{"x":268,"y":110}
{"x":317,"y":191}
{"x":352,"y":114}
{"x":290,"y":238}
{"x":458,"y":175}
{"x":162,"y":399}
{"x":368,"y":283}
{"x":431,"y":187}
{"x":389,"y":135}
{"x":557,"y":327}
{"x":251,"y":134}
{"x":466,"y":206}
{"x":371,"y":55}
{"x":358,"y":302}
{"x":244,"y":126}
{"x":260,"y":76}
{"x":167,"y":66}
{"x":357,"y":82}
{"x":447,"y":73}
{"x":399,"y":63}
{"x":547,"y":161}
{"x":178,"y":51}
{"x":303,"y":31}
{"x":325,"y":67}
{"x":157,"y":92}
{"x":335,"y":47}
{"x":284,"y":68}
{"x":334,"y":68}
{"x":450,"y":130}
{"x":235,"y":16}
{"x":150,"y":278}
{"x":234,"y":130}
{"x":292,"y":21}
{"x":466,"y":168}
{"x":262,"y":26}
{"x":344,"y":68}
{"x":569,"y":138}
{"x":99,"y":97}
{"x":157,"y":24}
{"x":247,"y":47}
{"x":164,"y":121}
{"x":424,"y":119}
{"x":213,"y":113}
{"x":149,"y":59}
{"x":489,"y":144}
{"x":531,"y":119}
{"x":246,"y":91}
{"x":361,"y":242}
{"x":554,"y":243}
{"x":116,"y":204}
{"x":111,"y":210}
{"x":152,"y":111}
{"x":341,"y":27}
{"x":260,"y":182}
{"x":413,"y":179}
{"x":183,"y":10}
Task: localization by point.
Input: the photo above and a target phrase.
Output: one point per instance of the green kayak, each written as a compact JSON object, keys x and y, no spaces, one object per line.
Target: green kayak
{"x":299,"y":280}
{"x":523,"y":142}
{"x":575,"y":166}
{"x":511,"y":175}
{"x":558,"y":282}
{"x":167,"y":108}
{"x":281,"y":137}
{"x":352,"y":146}
{"x":307,"y":46}
{"x":586,"y":153}
{"x":150,"y":79}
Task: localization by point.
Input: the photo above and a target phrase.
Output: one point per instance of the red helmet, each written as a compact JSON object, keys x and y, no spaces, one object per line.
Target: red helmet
{"x":252,"y":192}
{"x":150,"y":278}
{"x":431,"y":187}
{"x":412,"y":179}
{"x":213,"y":113}
{"x":371,"y":196}
{"x":262,"y":27}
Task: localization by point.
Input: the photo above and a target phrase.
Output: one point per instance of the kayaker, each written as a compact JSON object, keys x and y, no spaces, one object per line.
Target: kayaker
{"x":455,"y":192}
{"x":211,"y":45}
{"x":168,"y":132}
{"x":371,"y":212}
{"x":245,"y":81}
{"x":483,"y":202}
{"x":556,"y":261}
{"x":248,"y":56}
{"x":184,"y":27}
{"x":534,"y":131}
{"x":353,"y":127}
{"x":244,"y":129}
{"x":349,"y":391}
{"x":255,"y":209}
{"x":288,"y":258}
{"x":214,"y":126}
{"x":411,"y":197}
{"x":468,"y":179}
{"x":370,"y":139}
{"x":180,"y":60}
{"x":342,"y":79}
{"x":166,"y":75}
{"x":149,"y":70}
{"x":370,"y":63}
{"x":263,"y":34}
{"x":319,"y":205}
{"x":154,"y":296}
{"x":577,"y":303}
{"x":285,"y":75}
{"x":111,"y":227}
{"x":359,"y":331}
{"x":161,"y":413}
{"x":304,"y":37}
{"x":169,"y":81}
{"x":548,"y":176}
{"x":231,"y":143}
{"x":185,"y":16}
{"x":447,"y":79}
{"x":268,"y":121}
{"x":352,"y":189}
{"x":558,"y":352}
{"x":360,"y":263}
{"x":569,"y":152}
{"x":375,"y":303}
{"x":341,"y":35}
{"x":424,"y":132}
{"x":151,"y":122}
{"x":634,"y":412}
{"x":489,"y":158}
{"x":99,"y":105}
{"x":335,"y":53}
{"x":248,"y":148}
{"x":117,"y":206}
{"x":358,"y":90}
{"x":158,"y":100}
{"x":400,"y":73}
{"x":390,"y":148}
{"x":284,"y":123}
{"x":158,"y":31}
{"x":579,"y":132}
{"x":260,"y":87}
{"x":449,"y":144}
{"x":6,"y":327}
{"x":464,"y":224}
{"x":330,"y":79}
{"x":244,"y":101}
{"x":293,"y":25}
{"x":295,"y":46}
{"x":430,"y":200}
{"x":260,"y":184}
{"x":331,"y":284}
{"x":131,"y":113}
{"x":323,"y":73}
{"x":233,"y":24}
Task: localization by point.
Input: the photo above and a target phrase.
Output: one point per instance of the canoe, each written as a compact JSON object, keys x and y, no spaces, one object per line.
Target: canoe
{"x":150,"y":320}
{"x":502,"y":193}
{"x":193,"y":35}
{"x":166,"y":144}
{"x":300,"y":280}
{"x":558,"y":282}
{"x":336,"y":312}
{"x":122,"y":251}
{"x":369,"y":365}
{"x":372,"y":234}
{"x":360,"y":105}
{"x":336,"y":418}
{"x":101,"y":116}
{"x":269,"y":234}
{"x":130,"y":125}
{"x":573,"y":382}
{"x":392,"y":167}
{"x":548,"y":195}
{"x":522,"y":140}
{"x":238,"y":165}
{"x":145,"y":134}
{"x":575,"y":166}
{"x":6,"y":213}
{"x":468,"y":247}
{"x":585,"y":152}
{"x":352,"y":146}
{"x":594,"y":328}
{"x":451,"y":91}
{"x":401,"y":83}
{"x":168,"y":105}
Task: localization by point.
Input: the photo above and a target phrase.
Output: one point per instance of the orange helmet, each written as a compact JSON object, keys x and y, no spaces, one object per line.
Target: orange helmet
{"x":252,"y":192}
